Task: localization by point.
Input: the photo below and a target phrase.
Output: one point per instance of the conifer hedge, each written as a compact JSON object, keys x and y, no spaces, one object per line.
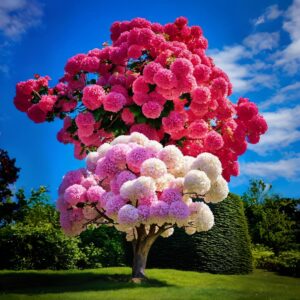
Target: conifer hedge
{"x":225,"y":249}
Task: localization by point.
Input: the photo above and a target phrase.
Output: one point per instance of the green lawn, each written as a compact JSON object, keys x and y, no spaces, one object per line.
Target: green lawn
{"x":113,"y":283}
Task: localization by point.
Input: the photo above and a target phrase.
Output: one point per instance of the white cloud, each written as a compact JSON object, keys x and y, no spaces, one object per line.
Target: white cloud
{"x":271,"y":13}
{"x":283,"y":95}
{"x":284,"y":125}
{"x":17,"y":16}
{"x":262,"y":41}
{"x":289,"y":58}
{"x":285,"y":168}
{"x":243,"y":69}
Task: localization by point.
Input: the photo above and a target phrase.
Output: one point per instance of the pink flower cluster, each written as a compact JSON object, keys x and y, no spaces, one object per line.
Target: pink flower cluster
{"x":134,"y":181}
{"x":154,"y":79}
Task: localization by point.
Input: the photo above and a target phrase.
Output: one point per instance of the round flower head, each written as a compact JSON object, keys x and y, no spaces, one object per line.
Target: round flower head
{"x":165,"y":79}
{"x":170,"y":195}
{"x":152,"y":110}
{"x":179,"y":211}
{"x":182,"y":169}
{"x":121,"y":139}
{"x":177,"y":183}
{"x":121,"y":178}
{"x":72,"y":177}
{"x":106,"y":168}
{"x":128,"y":215}
{"x":205,"y":218}
{"x":163,"y":182}
{"x":196,"y":182}
{"x":159,"y":211}
{"x":136,"y":157}
{"x":139,"y":138}
{"x":94,"y":193}
{"x":154,"y":146}
{"x":103,"y":149}
{"x":171,"y":156}
{"x":150,"y":70}
{"x":74,"y":194}
{"x":144,"y":213}
{"x":93,"y":96}
{"x":127,"y":190}
{"x":167,"y":232}
{"x":105,"y":197}
{"x":148,"y":200}
{"x":218,"y":191}
{"x":113,"y":205}
{"x":114,"y":102}
{"x":213,"y":141}
{"x":143,"y":187}
{"x":91,"y":160}
{"x":208,"y":163}
{"x":84,"y":119}
{"x":89,"y":181}
{"x":153,"y":167}
{"x":194,"y":208}
{"x":117,"y":155}
{"x":190,"y":230}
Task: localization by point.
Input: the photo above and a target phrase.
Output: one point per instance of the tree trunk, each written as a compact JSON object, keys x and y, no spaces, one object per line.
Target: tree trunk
{"x":141,"y":247}
{"x":140,"y":254}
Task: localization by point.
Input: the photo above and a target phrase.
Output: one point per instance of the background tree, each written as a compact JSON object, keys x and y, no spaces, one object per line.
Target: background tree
{"x":9,"y":174}
{"x":273,"y":220}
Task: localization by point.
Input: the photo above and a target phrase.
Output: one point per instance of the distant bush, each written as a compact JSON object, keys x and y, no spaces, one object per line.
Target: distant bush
{"x":35,"y":240}
{"x":286,"y":263}
{"x":260,"y":254}
{"x":105,"y":247}
{"x":27,"y":247}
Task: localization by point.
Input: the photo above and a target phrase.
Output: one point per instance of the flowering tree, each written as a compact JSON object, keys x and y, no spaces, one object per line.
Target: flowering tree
{"x":156,"y":85}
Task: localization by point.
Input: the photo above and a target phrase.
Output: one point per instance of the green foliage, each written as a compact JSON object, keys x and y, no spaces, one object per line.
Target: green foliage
{"x":223,"y":249}
{"x":260,"y":253}
{"x":273,"y":221}
{"x":29,"y":247}
{"x":286,"y":263}
{"x":9,"y":174}
{"x":34,"y":240}
{"x":110,"y":243}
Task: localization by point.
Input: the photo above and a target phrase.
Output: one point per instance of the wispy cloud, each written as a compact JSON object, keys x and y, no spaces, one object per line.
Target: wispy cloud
{"x":289,"y":57}
{"x":271,"y":13}
{"x":284,"y":130}
{"x":284,"y":168}
{"x":17,"y":16}
{"x":246,"y":71}
{"x":284,"y":95}
{"x":262,"y":41}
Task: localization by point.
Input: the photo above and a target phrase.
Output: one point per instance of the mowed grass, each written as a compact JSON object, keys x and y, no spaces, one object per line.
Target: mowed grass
{"x":114,"y":283}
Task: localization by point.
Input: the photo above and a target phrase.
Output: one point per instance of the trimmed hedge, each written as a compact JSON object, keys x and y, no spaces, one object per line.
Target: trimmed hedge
{"x":225,"y":249}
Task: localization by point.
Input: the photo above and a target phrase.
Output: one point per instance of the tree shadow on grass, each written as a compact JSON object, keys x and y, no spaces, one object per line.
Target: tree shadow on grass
{"x":38,"y":283}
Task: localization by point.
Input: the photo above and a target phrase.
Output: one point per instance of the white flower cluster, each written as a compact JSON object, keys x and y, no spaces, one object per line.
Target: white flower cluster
{"x":151,"y":184}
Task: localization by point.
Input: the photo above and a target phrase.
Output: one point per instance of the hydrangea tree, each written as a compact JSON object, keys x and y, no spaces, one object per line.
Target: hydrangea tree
{"x":157,"y":82}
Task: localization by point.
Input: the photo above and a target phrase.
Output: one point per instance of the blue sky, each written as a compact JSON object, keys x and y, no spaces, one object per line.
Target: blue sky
{"x":257,"y":42}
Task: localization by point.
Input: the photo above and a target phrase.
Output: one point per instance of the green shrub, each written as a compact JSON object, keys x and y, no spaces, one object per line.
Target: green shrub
{"x":261,"y":254}
{"x":27,"y":247}
{"x":103,"y":246}
{"x":286,"y":263}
